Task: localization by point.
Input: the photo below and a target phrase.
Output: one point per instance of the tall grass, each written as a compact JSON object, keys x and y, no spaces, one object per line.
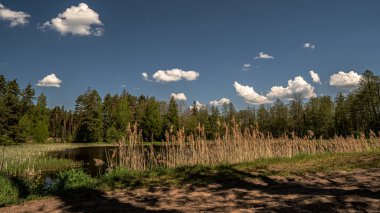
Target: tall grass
{"x":34,"y":159}
{"x":232,"y":147}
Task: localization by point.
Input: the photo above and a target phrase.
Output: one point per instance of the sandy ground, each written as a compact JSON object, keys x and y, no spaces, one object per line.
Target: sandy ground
{"x":355,"y":191}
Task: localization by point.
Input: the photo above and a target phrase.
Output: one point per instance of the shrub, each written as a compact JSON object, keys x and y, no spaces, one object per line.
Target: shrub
{"x":8,"y":192}
{"x":73,"y":179}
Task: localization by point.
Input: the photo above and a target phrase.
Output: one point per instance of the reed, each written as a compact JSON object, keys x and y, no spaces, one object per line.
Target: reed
{"x":232,"y":147}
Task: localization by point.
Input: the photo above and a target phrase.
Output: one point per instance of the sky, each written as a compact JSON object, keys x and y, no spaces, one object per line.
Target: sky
{"x":247,"y":52}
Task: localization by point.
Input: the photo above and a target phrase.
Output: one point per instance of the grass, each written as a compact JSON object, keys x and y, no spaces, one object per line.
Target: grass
{"x":34,"y":159}
{"x":182,"y":160}
{"x":326,"y":162}
{"x":233,"y":147}
{"x":19,"y":189}
{"x":203,"y":175}
{"x":8,"y":193}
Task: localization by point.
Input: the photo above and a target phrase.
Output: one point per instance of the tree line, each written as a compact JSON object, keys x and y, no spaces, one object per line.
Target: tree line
{"x":26,"y":118}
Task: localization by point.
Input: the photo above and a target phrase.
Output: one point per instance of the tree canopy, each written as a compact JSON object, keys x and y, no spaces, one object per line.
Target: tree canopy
{"x":25,"y":118}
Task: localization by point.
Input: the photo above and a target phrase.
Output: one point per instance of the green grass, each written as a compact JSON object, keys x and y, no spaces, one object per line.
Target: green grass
{"x":8,"y":193}
{"x":326,"y":162}
{"x":34,"y":159}
{"x":72,"y":181}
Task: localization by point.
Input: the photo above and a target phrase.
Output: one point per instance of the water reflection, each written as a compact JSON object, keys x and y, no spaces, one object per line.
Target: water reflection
{"x":86,"y":155}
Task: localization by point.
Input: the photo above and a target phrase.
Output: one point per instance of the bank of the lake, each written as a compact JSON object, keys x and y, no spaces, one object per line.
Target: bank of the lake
{"x":19,"y":189}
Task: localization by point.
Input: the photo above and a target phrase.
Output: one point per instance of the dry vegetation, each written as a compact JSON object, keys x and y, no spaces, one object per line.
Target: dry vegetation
{"x":234,"y":146}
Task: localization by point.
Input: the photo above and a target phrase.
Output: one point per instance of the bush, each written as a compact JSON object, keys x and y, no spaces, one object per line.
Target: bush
{"x":113,"y":135}
{"x":73,"y":179}
{"x":8,"y":192}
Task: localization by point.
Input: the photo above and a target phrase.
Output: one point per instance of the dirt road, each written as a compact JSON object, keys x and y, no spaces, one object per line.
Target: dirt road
{"x":354,"y":191}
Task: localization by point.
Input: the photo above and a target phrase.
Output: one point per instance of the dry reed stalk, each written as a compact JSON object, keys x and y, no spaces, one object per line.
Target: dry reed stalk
{"x":234,"y":146}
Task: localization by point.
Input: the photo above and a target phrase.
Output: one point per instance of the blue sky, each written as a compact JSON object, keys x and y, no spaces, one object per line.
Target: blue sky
{"x":213,"y":38}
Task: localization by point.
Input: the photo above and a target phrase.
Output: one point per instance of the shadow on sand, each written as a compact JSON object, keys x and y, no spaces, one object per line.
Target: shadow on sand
{"x":249,"y":191}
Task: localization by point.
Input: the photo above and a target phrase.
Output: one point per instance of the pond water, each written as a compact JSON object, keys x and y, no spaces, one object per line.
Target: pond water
{"x":86,"y":156}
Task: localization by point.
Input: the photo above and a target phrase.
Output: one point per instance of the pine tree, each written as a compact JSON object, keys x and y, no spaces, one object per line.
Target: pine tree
{"x":297,"y":116}
{"x":172,"y":116}
{"x":369,"y":99}
{"x":263,"y":119}
{"x":26,"y":102}
{"x":215,"y":123}
{"x":89,"y":111}
{"x":123,"y":113}
{"x":319,"y":112}
{"x":11,"y":111}
{"x":341,"y":117}
{"x":278,"y":118}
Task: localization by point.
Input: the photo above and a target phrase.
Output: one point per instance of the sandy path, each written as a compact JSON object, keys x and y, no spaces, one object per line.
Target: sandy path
{"x":354,"y":191}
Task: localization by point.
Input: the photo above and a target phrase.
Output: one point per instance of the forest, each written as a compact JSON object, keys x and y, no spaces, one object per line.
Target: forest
{"x":25,"y":118}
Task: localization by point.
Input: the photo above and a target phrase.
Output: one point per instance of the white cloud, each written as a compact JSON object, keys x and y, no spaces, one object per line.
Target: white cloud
{"x":309,"y":45}
{"x":175,"y":75}
{"x":179,"y":97}
{"x":249,"y":95}
{"x":296,"y":86}
{"x":15,"y":17}
{"x":145,"y":76}
{"x":246,"y":67}
{"x":198,"y":105}
{"x":315,"y":77}
{"x":344,"y":80}
{"x":220,"y":102}
{"x":264,"y":56}
{"x":77,"y":20}
{"x":50,"y":81}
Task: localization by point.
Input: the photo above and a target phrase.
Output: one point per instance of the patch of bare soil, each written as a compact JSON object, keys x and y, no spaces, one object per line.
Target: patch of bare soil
{"x":354,"y":191}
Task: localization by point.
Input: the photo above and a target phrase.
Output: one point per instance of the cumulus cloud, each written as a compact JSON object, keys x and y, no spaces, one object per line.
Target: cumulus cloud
{"x":298,"y":86}
{"x":309,"y":45}
{"x":15,"y":18}
{"x":198,"y":105}
{"x":145,"y":76}
{"x":264,"y":56}
{"x":220,"y":102}
{"x":249,"y":95}
{"x":315,"y":77}
{"x":344,"y":80}
{"x":175,"y":75}
{"x":179,"y":97}
{"x":78,"y":20}
{"x":50,"y":81}
{"x":246,"y":67}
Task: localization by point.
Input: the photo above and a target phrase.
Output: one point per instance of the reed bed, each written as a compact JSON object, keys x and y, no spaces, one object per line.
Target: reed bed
{"x":34,"y":159}
{"x":234,"y":146}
